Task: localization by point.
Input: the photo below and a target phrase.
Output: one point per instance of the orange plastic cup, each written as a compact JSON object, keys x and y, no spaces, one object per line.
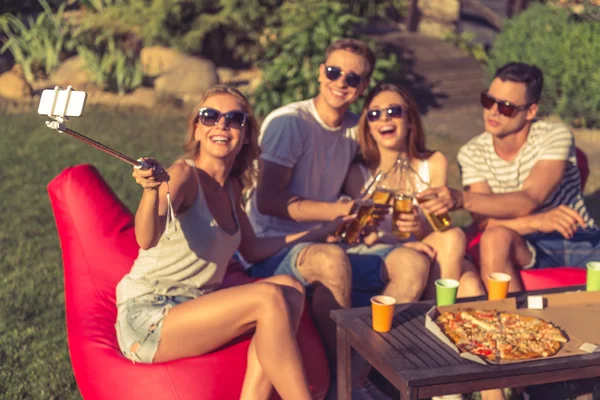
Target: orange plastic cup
{"x":498,"y":285}
{"x":383,"y":312}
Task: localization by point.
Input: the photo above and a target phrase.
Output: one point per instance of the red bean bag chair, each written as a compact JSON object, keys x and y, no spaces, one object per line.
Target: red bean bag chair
{"x":542,"y":278}
{"x":98,"y":248}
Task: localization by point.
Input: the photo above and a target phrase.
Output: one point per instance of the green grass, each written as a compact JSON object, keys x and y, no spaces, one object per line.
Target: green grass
{"x":34,"y":361}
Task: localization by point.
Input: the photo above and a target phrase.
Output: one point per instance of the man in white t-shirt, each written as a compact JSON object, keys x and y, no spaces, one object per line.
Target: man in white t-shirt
{"x":522,"y":183}
{"x":307,"y":148}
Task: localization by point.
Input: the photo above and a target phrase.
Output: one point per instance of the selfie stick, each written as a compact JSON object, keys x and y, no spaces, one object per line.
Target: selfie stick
{"x":58,"y":123}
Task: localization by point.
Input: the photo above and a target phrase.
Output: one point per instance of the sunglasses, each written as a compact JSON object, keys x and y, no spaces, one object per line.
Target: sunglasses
{"x":233,"y":119}
{"x":504,"y":107}
{"x":393,"y":112}
{"x":334,"y":73}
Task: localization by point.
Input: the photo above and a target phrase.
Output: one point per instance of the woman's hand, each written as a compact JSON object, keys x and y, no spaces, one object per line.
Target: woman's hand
{"x":151,"y":178}
{"x":409,"y":222}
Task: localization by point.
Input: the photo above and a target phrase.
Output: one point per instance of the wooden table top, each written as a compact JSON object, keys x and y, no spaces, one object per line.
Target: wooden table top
{"x":412,"y":356}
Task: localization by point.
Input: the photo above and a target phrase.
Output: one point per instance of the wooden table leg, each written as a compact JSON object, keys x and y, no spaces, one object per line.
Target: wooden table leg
{"x":344,"y":388}
{"x":410,"y":393}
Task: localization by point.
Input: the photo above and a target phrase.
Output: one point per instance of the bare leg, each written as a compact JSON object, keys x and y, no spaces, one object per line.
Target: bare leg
{"x":256,"y":383}
{"x":503,"y":250}
{"x":406,"y":271}
{"x":470,"y":281}
{"x":208,"y":322}
{"x":450,"y":248}
{"x":326,"y":266}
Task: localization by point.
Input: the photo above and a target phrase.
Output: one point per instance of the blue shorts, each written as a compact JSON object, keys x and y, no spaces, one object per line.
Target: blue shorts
{"x":139,"y":323}
{"x":367,"y":268}
{"x":551,"y":250}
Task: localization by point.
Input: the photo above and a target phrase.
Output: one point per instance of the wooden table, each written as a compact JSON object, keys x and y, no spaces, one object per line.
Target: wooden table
{"x":420,"y":366}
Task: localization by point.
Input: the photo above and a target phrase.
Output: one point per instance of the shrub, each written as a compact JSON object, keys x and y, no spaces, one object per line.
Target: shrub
{"x":567,"y":49}
{"x":295,"y":47}
{"x":40,"y":43}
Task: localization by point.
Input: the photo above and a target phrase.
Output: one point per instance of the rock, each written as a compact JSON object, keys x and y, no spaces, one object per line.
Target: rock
{"x":191,"y":77}
{"x":446,"y":11}
{"x":225,"y":75}
{"x":13,"y":86}
{"x":157,"y":60}
{"x":435,"y":29}
{"x":71,"y":72}
{"x":438,"y":18}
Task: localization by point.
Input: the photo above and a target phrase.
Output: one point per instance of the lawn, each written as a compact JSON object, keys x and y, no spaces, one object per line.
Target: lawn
{"x":33,"y":346}
{"x":34,"y":357}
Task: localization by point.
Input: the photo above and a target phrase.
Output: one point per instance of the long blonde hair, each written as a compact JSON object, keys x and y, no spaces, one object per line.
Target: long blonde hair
{"x":415,"y":145}
{"x":244,"y":169}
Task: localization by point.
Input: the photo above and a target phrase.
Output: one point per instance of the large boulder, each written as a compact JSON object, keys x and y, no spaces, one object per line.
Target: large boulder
{"x":191,"y":77}
{"x":157,"y":60}
{"x":438,"y":18}
{"x":71,"y":72}
{"x":13,"y":85}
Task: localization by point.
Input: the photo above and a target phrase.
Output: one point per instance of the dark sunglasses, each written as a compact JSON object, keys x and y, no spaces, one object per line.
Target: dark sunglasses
{"x":334,"y":73}
{"x":393,"y":112}
{"x":504,"y":107}
{"x":233,"y":119}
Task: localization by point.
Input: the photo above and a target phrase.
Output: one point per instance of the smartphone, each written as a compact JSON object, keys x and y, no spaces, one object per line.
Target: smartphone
{"x":62,"y":102}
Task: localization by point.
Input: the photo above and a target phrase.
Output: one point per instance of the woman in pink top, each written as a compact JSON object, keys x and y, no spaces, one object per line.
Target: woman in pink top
{"x":169,"y":304}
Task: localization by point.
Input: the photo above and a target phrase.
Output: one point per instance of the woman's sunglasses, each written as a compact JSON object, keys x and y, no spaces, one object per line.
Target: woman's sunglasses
{"x":233,"y":119}
{"x":504,"y":107}
{"x":334,"y":73}
{"x":393,"y":112}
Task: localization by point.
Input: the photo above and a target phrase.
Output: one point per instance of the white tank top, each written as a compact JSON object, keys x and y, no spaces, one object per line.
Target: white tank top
{"x":190,"y":257}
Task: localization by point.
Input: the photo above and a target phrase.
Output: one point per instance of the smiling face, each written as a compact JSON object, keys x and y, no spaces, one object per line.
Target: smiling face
{"x":221,"y":140}
{"x":389,"y":132}
{"x":516,"y":94}
{"x":337,"y":94}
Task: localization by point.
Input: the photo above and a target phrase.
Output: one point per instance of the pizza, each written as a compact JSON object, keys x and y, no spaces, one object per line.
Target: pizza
{"x":497,"y":336}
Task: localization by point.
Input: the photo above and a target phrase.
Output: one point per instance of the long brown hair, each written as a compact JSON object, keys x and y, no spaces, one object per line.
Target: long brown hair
{"x":415,"y":145}
{"x":244,"y":169}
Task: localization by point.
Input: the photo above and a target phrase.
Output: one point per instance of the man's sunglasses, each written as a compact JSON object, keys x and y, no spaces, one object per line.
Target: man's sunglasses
{"x":504,"y":107}
{"x":334,"y":73}
{"x":393,"y":112}
{"x":233,"y":119}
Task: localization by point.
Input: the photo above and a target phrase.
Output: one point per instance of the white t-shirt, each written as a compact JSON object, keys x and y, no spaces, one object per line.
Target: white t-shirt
{"x":479,"y":162}
{"x":295,"y":137}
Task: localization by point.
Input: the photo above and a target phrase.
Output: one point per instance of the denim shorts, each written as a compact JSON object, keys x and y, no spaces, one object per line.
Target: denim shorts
{"x":553,"y":250}
{"x":367,"y":268}
{"x":139,"y":322}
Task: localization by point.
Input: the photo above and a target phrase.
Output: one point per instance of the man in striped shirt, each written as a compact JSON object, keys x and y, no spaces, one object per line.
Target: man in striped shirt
{"x":522,"y":183}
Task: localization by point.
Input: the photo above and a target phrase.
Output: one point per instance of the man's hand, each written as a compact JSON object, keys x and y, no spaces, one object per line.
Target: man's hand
{"x":562,"y":219}
{"x":440,"y":200}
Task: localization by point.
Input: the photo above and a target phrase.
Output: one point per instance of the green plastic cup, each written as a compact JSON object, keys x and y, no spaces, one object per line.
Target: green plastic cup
{"x":445,"y":291}
{"x":593,"y":276}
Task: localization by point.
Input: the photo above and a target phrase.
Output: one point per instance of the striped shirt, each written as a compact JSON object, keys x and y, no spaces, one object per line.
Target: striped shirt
{"x":479,"y":162}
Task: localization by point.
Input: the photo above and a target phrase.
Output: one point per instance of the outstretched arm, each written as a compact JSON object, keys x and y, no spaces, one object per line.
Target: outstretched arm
{"x":151,"y":215}
{"x":273,"y":198}
{"x":541,"y":182}
{"x":255,"y":249}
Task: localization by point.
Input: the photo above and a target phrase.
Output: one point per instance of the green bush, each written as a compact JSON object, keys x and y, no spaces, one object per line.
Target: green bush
{"x":38,"y":44}
{"x":295,"y":47}
{"x":567,"y":49}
